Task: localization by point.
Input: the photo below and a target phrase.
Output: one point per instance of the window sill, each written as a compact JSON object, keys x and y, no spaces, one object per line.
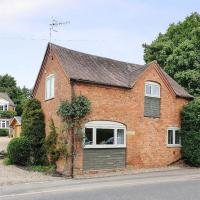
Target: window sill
{"x":103,"y":146}
{"x":50,"y":99}
{"x":174,"y":146}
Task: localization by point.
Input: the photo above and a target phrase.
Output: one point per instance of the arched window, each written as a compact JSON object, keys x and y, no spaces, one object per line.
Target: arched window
{"x":152,"y":89}
{"x":104,"y":134}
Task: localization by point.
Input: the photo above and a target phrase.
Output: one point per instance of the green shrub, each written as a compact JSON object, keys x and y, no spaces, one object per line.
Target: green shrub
{"x":33,"y":127}
{"x":51,"y":145}
{"x":41,"y":168}
{"x":77,"y":109}
{"x":190,"y":132}
{"x":4,"y":132}
{"x":7,"y":161}
{"x":7,"y":114}
{"x":19,"y":151}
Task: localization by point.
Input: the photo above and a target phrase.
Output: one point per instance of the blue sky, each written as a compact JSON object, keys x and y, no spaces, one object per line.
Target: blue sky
{"x":109,"y":28}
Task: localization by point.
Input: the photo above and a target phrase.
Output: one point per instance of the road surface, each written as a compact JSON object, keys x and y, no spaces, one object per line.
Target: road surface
{"x":181,"y":184}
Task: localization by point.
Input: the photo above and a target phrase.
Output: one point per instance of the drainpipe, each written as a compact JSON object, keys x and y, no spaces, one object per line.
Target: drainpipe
{"x":72,"y":136}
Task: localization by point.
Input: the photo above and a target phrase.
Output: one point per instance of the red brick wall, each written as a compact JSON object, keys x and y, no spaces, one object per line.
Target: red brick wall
{"x":146,"y":137}
{"x":62,"y":92}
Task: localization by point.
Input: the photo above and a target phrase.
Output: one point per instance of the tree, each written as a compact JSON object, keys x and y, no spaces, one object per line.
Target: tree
{"x":73,"y":115}
{"x":178,"y":52}
{"x":33,"y":128}
{"x":18,"y":95}
{"x":190,"y":132}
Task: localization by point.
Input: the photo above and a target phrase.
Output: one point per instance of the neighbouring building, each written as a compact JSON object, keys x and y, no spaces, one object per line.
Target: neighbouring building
{"x":135,"y":114}
{"x":15,"y":126}
{"x":6,"y":104}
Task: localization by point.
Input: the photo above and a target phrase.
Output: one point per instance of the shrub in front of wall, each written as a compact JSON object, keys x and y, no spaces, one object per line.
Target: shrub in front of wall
{"x":7,"y":114}
{"x":4,"y":132}
{"x":18,"y":151}
{"x":190,"y":132}
{"x":33,"y":127}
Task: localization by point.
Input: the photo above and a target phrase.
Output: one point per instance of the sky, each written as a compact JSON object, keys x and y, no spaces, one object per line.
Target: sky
{"x":110,"y":28}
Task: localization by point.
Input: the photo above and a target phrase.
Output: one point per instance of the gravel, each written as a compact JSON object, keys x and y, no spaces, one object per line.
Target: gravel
{"x":3,"y":143}
{"x":14,"y":175}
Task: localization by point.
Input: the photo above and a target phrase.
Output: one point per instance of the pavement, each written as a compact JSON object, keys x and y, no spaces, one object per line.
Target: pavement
{"x":182,"y":184}
{"x":3,"y":143}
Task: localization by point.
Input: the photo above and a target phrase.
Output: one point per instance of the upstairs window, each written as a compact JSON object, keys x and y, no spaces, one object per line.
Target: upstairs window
{"x":152,"y":89}
{"x":3,"y":107}
{"x":152,"y":99}
{"x":49,"y":87}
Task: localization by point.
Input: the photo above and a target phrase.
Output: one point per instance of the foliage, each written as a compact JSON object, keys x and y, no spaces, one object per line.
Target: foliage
{"x":7,"y":114}
{"x":18,"y":95}
{"x":51,"y":143}
{"x":19,"y":151}
{"x":33,"y":127}
{"x":7,"y":161}
{"x":75,"y":110}
{"x":4,"y":132}
{"x":73,"y":114}
{"x":190,"y":132}
{"x":41,"y":168}
{"x":178,"y":52}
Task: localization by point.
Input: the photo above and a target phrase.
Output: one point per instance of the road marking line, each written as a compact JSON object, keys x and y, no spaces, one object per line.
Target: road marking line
{"x":87,"y":187}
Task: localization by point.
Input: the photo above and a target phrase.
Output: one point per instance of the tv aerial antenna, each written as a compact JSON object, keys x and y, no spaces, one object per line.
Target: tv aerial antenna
{"x":54,"y":24}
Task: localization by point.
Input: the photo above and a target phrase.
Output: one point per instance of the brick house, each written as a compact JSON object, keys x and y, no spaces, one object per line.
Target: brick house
{"x":135,"y":108}
{"x":6,"y":104}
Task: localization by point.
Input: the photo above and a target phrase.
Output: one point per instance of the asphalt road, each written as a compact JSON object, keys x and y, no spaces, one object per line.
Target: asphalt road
{"x":172,"y":185}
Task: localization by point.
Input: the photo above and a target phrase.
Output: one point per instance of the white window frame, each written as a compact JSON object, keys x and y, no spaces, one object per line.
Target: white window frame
{"x":4,"y":104}
{"x":105,"y":125}
{"x":152,"y":84}
{"x":174,"y":129}
{"x":51,"y":87}
{"x":4,"y":121}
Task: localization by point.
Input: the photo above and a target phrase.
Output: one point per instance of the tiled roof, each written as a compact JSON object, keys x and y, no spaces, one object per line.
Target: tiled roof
{"x":5,"y":96}
{"x":94,"y":69}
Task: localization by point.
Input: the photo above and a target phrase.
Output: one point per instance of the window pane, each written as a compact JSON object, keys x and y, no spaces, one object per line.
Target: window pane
{"x":1,"y":107}
{"x":52,"y":87}
{"x":177,"y":137}
{"x":148,"y":89}
{"x":120,"y":136}
{"x":47,"y":88}
{"x":7,"y":124}
{"x":88,"y":136}
{"x":6,"y":107}
{"x":170,"y":136}
{"x":105,"y":136}
{"x":3,"y":124}
{"x":156,"y":91}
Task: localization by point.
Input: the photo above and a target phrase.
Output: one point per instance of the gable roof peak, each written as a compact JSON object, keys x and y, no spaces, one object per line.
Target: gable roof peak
{"x":83,"y":67}
{"x":5,"y":96}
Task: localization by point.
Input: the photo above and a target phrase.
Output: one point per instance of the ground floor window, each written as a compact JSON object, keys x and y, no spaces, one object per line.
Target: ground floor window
{"x":173,"y":137}
{"x":4,"y":123}
{"x":104,"y":134}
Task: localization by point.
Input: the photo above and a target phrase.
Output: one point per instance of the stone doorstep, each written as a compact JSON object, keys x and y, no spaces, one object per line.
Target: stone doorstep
{"x":118,"y":172}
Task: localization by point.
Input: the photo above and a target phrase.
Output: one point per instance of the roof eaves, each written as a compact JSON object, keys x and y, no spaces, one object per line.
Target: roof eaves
{"x":97,"y":83}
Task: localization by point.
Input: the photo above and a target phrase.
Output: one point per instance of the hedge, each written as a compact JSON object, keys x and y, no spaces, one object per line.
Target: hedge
{"x":190,"y":132}
{"x":19,"y":151}
{"x":4,"y":132}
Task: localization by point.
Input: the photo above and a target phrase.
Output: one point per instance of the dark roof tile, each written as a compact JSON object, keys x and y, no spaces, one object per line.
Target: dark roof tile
{"x":90,"y":68}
